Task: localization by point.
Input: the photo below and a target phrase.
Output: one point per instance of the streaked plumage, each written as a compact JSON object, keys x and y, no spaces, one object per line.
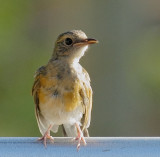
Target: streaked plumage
{"x":62,"y":91}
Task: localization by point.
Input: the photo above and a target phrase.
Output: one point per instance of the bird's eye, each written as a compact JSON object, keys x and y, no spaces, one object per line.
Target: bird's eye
{"x":68,"y":41}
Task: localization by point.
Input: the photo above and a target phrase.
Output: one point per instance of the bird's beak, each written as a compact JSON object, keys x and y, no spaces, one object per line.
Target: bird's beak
{"x":87,"y":41}
{"x":90,"y":41}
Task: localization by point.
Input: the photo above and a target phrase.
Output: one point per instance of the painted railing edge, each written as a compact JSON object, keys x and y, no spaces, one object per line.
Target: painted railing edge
{"x":96,"y":146}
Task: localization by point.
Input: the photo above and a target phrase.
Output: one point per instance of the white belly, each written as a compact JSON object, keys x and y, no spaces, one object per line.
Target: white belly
{"x":55,"y":113}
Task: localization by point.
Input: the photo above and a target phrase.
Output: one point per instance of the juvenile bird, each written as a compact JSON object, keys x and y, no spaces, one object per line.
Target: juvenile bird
{"x":62,"y":91}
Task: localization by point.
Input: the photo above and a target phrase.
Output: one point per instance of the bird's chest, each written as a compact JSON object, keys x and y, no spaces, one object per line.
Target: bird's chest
{"x":62,"y":101}
{"x":69,"y":88}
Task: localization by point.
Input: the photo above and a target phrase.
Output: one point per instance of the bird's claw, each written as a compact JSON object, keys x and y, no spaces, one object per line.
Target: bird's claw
{"x":79,"y":138}
{"x":44,"y":139}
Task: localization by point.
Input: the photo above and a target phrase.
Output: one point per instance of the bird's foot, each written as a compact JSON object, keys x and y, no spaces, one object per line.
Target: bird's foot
{"x":45,"y":137}
{"x":80,"y":137}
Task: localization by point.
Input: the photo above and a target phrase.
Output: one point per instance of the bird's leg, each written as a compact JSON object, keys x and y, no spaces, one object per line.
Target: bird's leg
{"x":47,"y":136}
{"x":80,"y":136}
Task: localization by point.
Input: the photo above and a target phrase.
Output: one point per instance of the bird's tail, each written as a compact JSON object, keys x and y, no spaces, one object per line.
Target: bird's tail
{"x":71,"y":131}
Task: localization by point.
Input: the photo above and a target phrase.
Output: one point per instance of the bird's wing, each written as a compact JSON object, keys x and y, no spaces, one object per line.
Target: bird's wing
{"x":42,"y":123}
{"x":86,"y":95}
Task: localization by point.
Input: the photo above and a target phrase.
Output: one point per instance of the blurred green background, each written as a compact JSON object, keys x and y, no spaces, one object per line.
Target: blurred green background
{"x":124,"y":67}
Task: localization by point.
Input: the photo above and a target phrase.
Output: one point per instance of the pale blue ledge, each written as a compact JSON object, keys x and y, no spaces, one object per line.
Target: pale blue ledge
{"x":96,"y":147}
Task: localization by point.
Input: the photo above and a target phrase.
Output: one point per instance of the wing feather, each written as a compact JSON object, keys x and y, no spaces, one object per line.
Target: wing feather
{"x":42,"y":123}
{"x":86,"y":95}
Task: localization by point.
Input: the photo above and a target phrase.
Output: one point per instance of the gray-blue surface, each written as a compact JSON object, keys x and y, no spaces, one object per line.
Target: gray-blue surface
{"x":96,"y":147}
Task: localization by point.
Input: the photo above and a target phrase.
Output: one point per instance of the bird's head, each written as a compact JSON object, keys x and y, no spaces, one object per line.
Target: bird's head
{"x":72,"y":45}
